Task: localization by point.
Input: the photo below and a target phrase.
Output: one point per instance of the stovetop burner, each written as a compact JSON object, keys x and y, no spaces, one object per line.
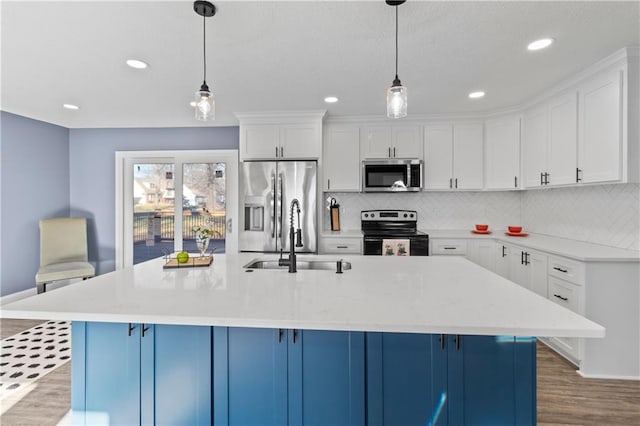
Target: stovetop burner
{"x":389,"y":222}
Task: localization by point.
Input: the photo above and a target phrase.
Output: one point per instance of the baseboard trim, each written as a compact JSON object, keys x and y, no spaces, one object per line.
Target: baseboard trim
{"x":606,"y":376}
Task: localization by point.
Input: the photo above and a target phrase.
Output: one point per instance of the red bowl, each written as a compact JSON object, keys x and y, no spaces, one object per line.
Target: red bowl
{"x":482,"y":227}
{"x":515,"y":229}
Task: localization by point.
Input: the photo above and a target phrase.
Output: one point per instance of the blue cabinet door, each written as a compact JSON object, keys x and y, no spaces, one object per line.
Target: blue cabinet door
{"x":326,"y":378}
{"x":406,"y":379}
{"x":105,"y":381}
{"x":249,"y":376}
{"x":492,"y":380}
{"x":176,"y":375}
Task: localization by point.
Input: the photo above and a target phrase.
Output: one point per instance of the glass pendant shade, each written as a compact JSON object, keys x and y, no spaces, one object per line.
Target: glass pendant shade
{"x":205,"y":104}
{"x":396,"y":100}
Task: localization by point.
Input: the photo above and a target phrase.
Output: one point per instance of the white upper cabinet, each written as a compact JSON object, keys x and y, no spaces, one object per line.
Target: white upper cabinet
{"x":600,"y":131}
{"x":453,"y":156}
{"x":281,"y":136}
{"x":502,"y":153}
{"x":391,"y":142}
{"x":341,"y":158}
{"x":549,"y":143}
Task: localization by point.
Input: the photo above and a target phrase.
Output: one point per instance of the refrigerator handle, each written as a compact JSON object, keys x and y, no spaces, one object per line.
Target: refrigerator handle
{"x":273,"y":201}
{"x":280,"y":179}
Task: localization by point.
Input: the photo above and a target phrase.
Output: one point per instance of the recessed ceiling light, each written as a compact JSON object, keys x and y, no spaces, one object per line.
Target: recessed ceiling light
{"x":331,"y":99}
{"x":137,"y":64}
{"x":70,"y":106}
{"x":192,"y":104}
{"x":540,"y":44}
{"x":476,"y":95}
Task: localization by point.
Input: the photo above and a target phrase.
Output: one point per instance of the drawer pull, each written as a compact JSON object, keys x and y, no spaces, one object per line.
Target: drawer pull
{"x":449,"y":248}
{"x":560,"y":269}
{"x":560,"y":297}
{"x":342,"y":247}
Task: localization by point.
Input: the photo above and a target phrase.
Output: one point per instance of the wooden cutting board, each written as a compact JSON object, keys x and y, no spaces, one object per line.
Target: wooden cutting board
{"x":191,"y":263}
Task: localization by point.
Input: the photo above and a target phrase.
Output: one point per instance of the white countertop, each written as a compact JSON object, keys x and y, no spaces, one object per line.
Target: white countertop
{"x":435,"y":294}
{"x":578,"y":250}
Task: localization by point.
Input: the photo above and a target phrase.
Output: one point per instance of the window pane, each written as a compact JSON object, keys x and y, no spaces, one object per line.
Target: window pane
{"x":204,"y":204}
{"x":153,"y":210}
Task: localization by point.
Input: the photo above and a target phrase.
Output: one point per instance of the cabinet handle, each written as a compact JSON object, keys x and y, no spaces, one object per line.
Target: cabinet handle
{"x":457,"y":341}
{"x":515,"y":181}
{"x":456,"y":183}
{"x":131,"y":328}
{"x":144,"y":329}
{"x":328,"y":183}
{"x":442,"y":341}
{"x":526,"y":258}
{"x":449,"y":248}
{"x":394,"y":152}
{"x":276,"y":152}
{"x":389,"y":152}
{"x":546,"y":178}
{"x":295,"y":334}
{"x":450,"y":182}
{"x":578,"y":178}
{"x":280,"y":335}
{"x":281,"y":151}
{"x":560,"y":269}
{"x":560,"y":297}
{"x":503,"y":251}
{"x":522,"y":258}
{"x":342,"y":247}
{"x":541,"y":179}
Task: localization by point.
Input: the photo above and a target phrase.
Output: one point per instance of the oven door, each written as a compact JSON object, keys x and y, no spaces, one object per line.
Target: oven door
{"x":372,"y":245}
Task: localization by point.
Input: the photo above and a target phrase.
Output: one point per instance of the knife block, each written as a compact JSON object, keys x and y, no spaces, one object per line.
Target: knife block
{"x":335,"y":217}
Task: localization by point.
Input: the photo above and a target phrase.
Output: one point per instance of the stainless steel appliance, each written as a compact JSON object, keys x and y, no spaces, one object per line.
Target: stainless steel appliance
{"x":266,"y":190}
{"x":381,"y":228}
{"x":391,"y":175}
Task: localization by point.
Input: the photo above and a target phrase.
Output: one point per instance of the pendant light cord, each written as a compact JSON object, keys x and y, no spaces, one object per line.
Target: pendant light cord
{"x":396,"y":42}
{"x":204,"y":48}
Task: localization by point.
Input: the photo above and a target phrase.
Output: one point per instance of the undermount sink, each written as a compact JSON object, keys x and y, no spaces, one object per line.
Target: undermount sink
{"x":327,"y":265}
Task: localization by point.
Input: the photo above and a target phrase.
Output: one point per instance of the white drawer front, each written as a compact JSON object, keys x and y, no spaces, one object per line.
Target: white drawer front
{"x":566,"y":269}
{"x":449,"y":246}
{"x":341,"y":245}
{"x":565,"y":294}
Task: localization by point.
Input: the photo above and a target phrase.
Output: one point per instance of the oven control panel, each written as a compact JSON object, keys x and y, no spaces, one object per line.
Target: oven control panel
{"x":389,"y":215}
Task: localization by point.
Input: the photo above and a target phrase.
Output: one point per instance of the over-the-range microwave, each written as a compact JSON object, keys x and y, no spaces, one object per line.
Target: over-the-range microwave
{"x":392,"y":175}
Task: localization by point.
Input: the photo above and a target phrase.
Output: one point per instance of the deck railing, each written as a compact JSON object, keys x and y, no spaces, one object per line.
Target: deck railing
{"x":162,"y":226}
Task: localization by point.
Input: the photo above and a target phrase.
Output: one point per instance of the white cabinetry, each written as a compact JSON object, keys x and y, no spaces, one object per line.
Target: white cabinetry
{"x":391,"y":142}
{"x":280,"y":136}
{"x":600,"y":131}
{"x":481,"y":252}
{"x":453,"y":156}
{"x":502,"y":153}
{"x":448,"y":246}
{"x":341,"y":160}
{"x":341,"y":244}
{"x":550,"y":143}
{"x":528,"y":268}
{"x":501,"y":259}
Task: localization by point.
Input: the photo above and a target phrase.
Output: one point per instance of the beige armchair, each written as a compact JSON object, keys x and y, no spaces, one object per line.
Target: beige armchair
{"x":63,"y":251}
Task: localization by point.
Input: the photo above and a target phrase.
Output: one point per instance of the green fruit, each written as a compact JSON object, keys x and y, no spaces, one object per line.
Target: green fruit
{"x":183,"y":257}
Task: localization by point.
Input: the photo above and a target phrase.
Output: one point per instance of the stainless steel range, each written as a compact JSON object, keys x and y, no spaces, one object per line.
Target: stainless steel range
{"x":393,"y":233}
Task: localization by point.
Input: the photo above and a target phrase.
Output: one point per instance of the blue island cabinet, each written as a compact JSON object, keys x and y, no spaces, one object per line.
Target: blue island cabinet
{"x":422,"y":379}
{"x":288,"y":377}
{"x":129,"y":374}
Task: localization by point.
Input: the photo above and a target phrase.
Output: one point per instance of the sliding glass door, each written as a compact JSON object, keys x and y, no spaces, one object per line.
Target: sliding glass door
{"x":163,"y":197}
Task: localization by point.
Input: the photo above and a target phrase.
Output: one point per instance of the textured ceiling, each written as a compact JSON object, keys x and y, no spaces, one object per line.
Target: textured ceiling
{"x":281,"y":56}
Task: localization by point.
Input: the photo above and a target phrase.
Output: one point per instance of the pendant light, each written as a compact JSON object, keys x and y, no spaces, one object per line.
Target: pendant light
{"x":397,"y":93}
{"x":205,"y":104}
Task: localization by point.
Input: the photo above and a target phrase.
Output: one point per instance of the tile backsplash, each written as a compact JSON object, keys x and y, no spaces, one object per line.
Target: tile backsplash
{"x":436,"y":210}
{"x":600,"y":214}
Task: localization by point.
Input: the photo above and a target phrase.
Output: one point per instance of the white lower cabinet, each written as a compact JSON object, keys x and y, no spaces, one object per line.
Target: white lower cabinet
{"x":481,"y":251}
{"x":449,"y":246}
{"x":337,"y":245}
{"x":568,"y":295}
{"x":528,"y":268}
{"x":501,"y":259}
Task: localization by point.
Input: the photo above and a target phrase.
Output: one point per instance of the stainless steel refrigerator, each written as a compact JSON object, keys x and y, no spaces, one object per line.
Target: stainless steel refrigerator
{"x":266,"y":191}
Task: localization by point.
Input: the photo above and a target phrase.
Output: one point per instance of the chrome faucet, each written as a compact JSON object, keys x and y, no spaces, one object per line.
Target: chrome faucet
{"x":295,"y":238}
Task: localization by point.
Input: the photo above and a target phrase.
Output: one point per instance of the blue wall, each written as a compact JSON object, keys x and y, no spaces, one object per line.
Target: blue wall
{"x":34,"y":183}
{"x":49,"y":171}
{"x":92,"y":173}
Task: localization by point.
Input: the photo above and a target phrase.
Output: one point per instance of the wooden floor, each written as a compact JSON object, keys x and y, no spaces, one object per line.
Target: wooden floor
{"x":564,"y":398}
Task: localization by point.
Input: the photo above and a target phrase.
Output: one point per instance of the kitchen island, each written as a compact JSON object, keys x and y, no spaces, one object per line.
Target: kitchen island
{"x":393,"y":340}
